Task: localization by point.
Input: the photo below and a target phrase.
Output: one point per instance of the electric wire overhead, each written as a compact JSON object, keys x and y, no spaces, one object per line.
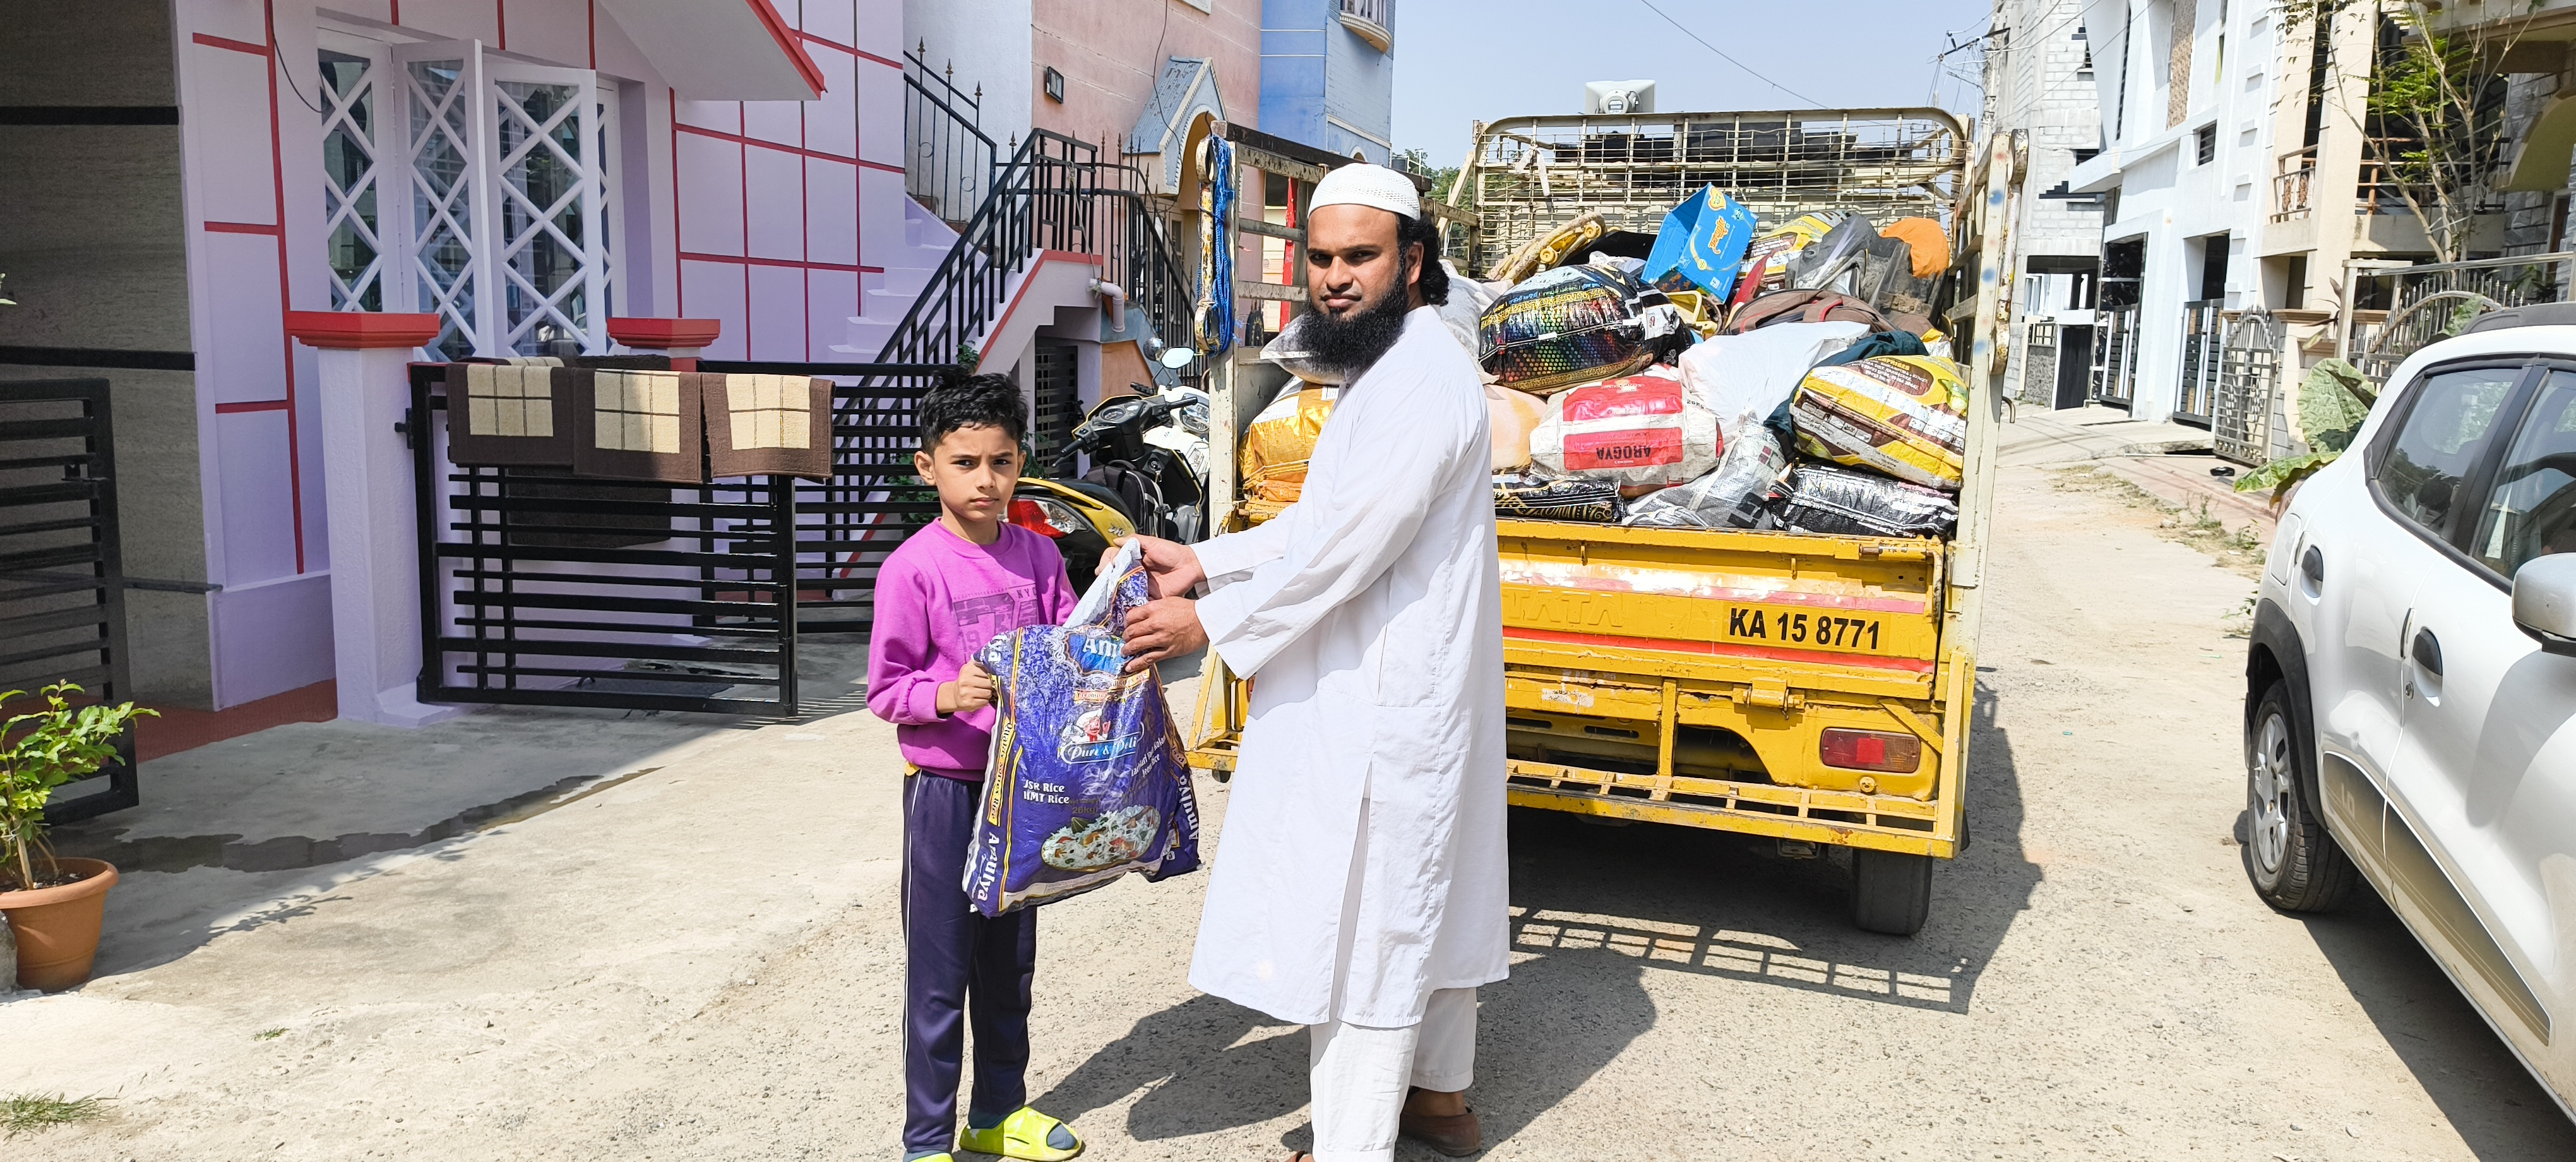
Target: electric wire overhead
{"x":1668,"y":19}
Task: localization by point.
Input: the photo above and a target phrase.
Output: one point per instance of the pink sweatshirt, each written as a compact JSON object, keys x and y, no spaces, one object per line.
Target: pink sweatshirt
{"x":939,"y":598}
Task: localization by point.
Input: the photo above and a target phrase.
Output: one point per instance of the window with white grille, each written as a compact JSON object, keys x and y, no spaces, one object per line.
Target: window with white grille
{"x":473,"y":187}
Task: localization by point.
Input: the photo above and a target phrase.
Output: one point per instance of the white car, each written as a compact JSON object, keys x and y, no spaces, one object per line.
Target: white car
{"x":2410,"y":712}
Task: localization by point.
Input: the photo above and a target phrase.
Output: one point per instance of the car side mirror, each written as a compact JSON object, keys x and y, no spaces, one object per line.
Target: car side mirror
{"x":2544,"y":601}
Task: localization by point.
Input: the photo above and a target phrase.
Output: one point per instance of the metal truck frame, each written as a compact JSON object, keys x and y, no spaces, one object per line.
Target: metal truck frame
{"x":1695,"y":685}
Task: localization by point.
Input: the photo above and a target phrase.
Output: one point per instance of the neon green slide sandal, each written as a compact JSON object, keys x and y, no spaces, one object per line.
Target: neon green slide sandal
{"x":1027,"y":1135}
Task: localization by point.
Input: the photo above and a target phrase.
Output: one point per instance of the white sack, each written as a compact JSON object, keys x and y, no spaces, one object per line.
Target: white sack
{"x":1753,"y":374}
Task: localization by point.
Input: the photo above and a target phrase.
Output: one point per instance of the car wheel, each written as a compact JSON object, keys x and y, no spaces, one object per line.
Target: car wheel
{"x":1891,"y":891}
{"x":2294,"y":864}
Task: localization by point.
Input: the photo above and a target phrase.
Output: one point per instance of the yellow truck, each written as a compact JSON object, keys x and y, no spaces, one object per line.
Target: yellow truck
{"x":1812,"y":688}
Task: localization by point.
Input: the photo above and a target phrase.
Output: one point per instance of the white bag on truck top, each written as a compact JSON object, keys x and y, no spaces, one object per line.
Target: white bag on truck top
{"x":1753,"y":373}
{"x":1642,"y":432}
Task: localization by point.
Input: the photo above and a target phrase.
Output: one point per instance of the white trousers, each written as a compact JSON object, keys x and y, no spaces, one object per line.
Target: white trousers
{"x":1359,"y":1074}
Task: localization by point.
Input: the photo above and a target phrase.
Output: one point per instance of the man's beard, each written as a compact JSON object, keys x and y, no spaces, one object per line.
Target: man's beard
{"x":1353,"y":344}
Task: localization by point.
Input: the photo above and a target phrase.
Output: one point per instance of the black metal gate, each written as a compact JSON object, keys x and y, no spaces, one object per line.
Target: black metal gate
{"x":62,"y":570}
{"x":2204,"y":341}
{"x":2115,"y":371}
{"x":538,"y":588}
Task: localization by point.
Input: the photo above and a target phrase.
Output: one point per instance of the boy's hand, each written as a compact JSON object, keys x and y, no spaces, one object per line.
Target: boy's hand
{"x":1164,"y":628}
{"x":973,"y":690}
{"x":1171,"y":567}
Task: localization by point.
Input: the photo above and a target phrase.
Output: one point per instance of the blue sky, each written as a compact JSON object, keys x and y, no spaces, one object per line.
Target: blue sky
{"x":1460,"y":60}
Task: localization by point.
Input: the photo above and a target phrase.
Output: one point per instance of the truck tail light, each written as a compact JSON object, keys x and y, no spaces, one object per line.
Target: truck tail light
{"x":1870,"y":750}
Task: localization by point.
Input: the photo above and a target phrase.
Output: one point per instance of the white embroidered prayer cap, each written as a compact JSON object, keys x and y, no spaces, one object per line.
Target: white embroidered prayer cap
{"x":1362,"y":184}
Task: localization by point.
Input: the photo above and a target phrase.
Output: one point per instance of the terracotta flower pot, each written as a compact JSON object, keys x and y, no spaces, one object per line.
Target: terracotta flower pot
{"x":57,"y":927}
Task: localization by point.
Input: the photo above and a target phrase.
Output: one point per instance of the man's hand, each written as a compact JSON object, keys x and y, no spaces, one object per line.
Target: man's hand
{"x":1164,"y":628}
{"x":1171,"y":567}
{"x":973,"y":690}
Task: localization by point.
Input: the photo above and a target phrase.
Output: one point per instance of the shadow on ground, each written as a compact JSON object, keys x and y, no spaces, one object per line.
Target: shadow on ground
{"x":1684,"y":900}
{"x":249,"y":832}
{"x":1600,"y":907}
{"x":2494,"y":1104}
{"x":1208,"y":1065}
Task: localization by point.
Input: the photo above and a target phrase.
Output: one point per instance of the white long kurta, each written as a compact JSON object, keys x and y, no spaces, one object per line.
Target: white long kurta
{"x":1370,"y":614}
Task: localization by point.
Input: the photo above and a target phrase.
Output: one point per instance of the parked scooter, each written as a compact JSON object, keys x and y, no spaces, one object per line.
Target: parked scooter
{"x":1152,"y":451}
{"x":1149,"y":464}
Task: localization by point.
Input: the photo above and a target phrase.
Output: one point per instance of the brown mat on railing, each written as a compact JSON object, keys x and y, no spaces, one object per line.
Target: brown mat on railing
{"x":509,"y":415}
{"x":767,"y":425}
{"x":636,"y":425}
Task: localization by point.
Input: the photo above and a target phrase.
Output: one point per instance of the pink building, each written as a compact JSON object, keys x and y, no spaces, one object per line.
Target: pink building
{"x":182,"y":173}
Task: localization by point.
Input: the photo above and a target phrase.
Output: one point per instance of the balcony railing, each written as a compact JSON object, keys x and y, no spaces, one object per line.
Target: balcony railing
{"x":2290,"y":186}
{"x":1373,"y":20}
{"x":951,"y":164}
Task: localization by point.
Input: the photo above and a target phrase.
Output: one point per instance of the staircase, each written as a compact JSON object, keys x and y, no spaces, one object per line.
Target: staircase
{"x":1053,"y":201}
{"x":885,"y":298}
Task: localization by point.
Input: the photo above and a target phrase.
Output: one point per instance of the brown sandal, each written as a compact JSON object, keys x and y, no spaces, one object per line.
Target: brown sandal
{"x":1456,"y":1135}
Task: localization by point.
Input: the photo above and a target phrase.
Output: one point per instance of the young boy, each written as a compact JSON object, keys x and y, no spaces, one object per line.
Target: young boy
{"x":948,"y":590}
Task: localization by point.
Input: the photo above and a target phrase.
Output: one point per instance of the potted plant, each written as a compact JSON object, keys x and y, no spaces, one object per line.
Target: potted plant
{"x":53,"y":906}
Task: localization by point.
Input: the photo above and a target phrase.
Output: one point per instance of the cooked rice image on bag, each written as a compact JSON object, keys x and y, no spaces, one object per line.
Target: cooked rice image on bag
{"x":1904,"y":415}
{"x":1087,"y":781}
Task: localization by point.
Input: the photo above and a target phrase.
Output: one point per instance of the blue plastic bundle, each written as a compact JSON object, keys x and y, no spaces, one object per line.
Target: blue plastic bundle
{"x":1701,"y":246}
{"x":1087,"y":781}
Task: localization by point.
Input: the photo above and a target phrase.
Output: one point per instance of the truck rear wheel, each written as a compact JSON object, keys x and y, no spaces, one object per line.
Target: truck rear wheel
{"x":1891,"y":891}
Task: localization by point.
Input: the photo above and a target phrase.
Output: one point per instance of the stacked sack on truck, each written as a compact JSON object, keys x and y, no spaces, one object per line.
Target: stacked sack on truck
{"x":1731,"y":377}
{"x":1713,"y":375}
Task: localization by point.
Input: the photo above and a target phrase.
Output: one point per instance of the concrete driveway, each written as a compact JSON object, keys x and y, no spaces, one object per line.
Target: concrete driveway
{"x":689,"y":949}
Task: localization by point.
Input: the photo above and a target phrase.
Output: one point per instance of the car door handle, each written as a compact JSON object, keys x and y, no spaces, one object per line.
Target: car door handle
{"x":2428,"y":652}
{"x":2313,"y":563}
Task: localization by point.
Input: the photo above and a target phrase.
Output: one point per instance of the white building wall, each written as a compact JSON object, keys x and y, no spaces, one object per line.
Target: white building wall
{"x":989,"y":44}
{"x":2164,"y":195}
{"x":2042,"y":88}
{"x":767,"y":228}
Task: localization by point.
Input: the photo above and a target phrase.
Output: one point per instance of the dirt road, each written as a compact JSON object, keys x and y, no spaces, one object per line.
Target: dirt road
{"x":702,"y":963}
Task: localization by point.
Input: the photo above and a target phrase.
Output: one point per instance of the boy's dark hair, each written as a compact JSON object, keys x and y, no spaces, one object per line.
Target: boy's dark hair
{"x":971,"y":402}
{"x":1435,"y":277}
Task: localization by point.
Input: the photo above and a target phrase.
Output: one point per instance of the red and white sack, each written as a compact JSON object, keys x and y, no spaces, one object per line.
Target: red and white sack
{"x":1641,"y":432}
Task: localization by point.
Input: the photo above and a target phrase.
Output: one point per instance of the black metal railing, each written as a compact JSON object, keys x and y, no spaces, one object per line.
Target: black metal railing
{"x":952,"y":160}
{"x":62,"y":569}
{"x":1054,"y":194}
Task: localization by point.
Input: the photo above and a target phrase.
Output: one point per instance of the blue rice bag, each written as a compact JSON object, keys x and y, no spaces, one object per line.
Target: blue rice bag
{"x":1087,"y":781}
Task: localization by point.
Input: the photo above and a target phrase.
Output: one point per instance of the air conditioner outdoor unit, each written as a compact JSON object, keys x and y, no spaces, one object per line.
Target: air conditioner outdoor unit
{"x":1619,"y":97}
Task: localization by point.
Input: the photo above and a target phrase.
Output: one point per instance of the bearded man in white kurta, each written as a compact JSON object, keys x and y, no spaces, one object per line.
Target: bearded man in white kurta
{"x":1361,"y":885}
